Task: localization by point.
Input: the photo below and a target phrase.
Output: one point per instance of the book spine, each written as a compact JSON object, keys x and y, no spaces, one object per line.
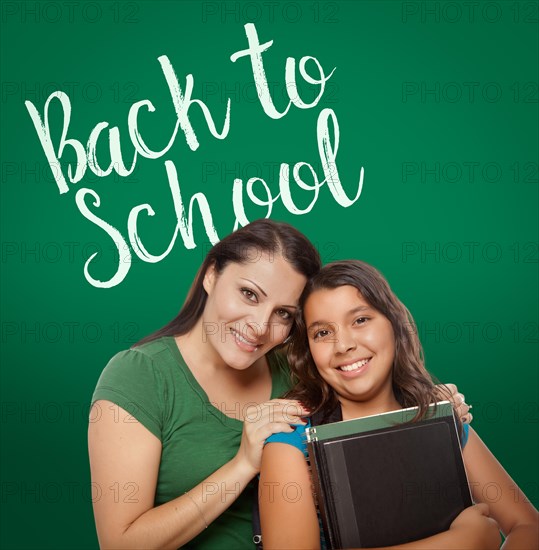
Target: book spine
{"x":321,"y":495}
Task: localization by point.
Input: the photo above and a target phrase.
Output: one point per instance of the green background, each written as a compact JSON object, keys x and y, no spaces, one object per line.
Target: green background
{"x":458,"y":245}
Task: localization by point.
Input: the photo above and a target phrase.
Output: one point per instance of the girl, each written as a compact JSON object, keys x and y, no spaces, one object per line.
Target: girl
{"x":179,"y":421}
{"x":356,"y":353}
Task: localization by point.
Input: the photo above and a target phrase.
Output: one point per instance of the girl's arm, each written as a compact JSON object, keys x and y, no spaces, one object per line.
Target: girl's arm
{"x":288,"y":515}
{"x":287,"y":511}
{"x":125,"y":455}
{"x":490,"y":483}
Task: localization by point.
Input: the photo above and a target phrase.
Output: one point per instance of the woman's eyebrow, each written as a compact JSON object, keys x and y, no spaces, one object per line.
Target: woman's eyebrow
{"x":257,"y":286}
{"x":254,"y":284}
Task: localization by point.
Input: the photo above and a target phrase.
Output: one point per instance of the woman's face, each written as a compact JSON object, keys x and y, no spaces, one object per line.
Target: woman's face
{"x":250,"y":308}
{"x":352,"y":344}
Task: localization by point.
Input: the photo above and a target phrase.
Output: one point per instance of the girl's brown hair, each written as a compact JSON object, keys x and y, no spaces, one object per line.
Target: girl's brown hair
{"x":244,"y":245}
{"x":412,"y":384}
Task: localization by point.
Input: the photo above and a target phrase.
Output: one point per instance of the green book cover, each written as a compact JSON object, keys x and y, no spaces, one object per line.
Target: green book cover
{"x":443,"y":409}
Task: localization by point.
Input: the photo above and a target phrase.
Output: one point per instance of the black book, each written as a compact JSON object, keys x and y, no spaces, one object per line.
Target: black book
{"x":383,"y":480}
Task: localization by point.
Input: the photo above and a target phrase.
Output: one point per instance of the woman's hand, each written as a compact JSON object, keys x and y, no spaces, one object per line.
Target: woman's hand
{"x":451,"y":393}
{"x":263,"y":420}
{"x":476,"y":528}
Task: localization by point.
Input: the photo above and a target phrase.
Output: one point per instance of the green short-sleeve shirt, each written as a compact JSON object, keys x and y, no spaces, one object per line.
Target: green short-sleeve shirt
{"x":153,"y":384}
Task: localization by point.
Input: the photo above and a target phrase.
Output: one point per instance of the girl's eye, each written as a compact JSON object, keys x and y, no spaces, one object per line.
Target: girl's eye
{"x":249,"y":294}
{"x":320,"y":334}
{"x":361,"y":320}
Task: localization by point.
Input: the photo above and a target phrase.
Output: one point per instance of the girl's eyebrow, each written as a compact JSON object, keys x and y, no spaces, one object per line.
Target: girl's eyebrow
{"x":358,"y":309}
{"x":351,"y":312}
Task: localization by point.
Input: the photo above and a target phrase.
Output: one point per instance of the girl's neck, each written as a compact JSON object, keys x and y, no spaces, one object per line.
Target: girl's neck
{"x":377,"y":405}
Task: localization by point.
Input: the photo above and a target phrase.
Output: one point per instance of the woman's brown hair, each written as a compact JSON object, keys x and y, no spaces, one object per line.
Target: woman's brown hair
{"x":412,"y":384}
{"x":246,"y":244}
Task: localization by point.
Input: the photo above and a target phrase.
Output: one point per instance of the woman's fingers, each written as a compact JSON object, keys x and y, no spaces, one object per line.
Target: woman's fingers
{"x":272,"y":412}
{"x":450,"y":391}
{"x":276,"y":427}
{"x":447,"y":391}
{"x":260,"y":421}
{"x":276,"y":410}
{"x":462,"y":408}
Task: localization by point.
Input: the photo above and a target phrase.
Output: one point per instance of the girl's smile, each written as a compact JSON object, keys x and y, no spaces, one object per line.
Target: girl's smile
{"x":353,"y":347}
{"x":350,"y":370}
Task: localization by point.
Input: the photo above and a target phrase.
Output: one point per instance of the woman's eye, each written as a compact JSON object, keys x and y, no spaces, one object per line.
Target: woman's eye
{"x":249,"y":294}
{"x":284,"y":314}
{"x":360,"y":320}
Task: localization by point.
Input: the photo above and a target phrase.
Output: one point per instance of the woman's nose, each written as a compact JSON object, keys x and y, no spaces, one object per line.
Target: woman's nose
{"x":260,"y":323}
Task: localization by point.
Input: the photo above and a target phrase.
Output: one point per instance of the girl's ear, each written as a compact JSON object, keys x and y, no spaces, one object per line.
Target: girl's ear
{"x":209,"y":279}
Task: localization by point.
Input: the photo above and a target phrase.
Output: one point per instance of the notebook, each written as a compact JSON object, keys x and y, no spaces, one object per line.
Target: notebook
{"x":383,"y":480}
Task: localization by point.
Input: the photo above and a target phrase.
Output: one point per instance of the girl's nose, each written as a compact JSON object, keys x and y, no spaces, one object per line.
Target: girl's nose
{"x":344,"y":342}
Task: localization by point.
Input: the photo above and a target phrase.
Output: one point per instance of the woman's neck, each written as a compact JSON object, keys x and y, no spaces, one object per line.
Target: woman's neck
{"x":196,"y":350}
{"x":204,"y":361}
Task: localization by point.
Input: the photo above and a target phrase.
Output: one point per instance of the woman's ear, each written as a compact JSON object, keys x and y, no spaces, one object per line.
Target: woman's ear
{"x":209,"y":279}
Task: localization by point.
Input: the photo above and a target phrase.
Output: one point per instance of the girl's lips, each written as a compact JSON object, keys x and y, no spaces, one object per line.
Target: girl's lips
{"x":351,"y":370}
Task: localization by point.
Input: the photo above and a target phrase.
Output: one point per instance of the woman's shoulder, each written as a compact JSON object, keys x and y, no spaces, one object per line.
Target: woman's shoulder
{"x":136,"y":380}
{"x":152,"y":354}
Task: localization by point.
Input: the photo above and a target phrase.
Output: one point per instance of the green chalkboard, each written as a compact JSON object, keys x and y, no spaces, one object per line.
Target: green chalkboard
{"x":416,"y":123}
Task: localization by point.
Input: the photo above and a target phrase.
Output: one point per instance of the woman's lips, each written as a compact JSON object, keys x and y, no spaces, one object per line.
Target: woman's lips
{"x":243,"y":343}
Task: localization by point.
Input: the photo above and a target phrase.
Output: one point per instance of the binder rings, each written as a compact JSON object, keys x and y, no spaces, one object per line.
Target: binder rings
{"x":383,"y":480}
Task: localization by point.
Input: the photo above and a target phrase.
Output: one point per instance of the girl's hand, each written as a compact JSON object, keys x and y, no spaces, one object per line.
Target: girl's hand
{"x":476,"y":528}
{"x":451,"y":393}
{"x":263,"y":420}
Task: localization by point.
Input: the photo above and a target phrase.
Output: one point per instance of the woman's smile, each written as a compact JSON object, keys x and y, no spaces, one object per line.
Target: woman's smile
{"x":243,"y":343}
{"x":249,"y":310}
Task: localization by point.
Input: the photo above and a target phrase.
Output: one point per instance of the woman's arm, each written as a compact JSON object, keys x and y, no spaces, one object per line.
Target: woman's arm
{"x":287,"y":511}
{"x":126,"y":456}
{"x":490,"y":483}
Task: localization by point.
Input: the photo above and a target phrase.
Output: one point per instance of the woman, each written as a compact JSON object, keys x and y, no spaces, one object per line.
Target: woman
{"x":180,"y":420}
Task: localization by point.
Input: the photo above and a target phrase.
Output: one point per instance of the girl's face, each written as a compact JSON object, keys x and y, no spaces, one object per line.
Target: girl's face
{"x":352,"y":344}
{"x":250,"y":308}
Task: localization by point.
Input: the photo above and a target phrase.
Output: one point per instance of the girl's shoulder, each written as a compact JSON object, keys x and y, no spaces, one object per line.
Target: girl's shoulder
{"x":297,"y":438}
